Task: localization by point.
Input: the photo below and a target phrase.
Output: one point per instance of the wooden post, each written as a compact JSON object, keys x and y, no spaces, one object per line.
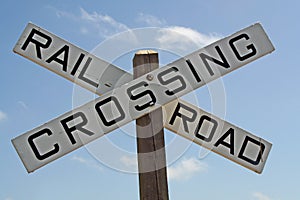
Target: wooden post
{"x":150,"y":138}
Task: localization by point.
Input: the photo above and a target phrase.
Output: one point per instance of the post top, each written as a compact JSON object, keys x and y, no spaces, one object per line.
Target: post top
{"x":145,"y":51}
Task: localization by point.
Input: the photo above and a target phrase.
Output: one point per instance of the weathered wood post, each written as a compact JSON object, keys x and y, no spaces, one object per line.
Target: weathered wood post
{"x":150,"y":138}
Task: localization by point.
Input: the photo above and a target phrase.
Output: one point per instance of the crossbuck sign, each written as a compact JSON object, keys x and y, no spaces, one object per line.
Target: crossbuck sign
{"x":123,"y":99}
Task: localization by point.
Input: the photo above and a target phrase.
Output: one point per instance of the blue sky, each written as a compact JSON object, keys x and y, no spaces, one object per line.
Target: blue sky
{"x":262,"y":98}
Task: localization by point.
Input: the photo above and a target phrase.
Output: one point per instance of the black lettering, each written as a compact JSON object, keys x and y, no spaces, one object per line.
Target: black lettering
{"x":140,"y":95}
{"x":55,"y":57}
{"x":229,"y":145}
{"x":260,"y":152}
{"x":74,"y":70}
{"x":250,"y":47}
{"x":171,"y":80}
{"x":101,"y":115}
{"x":38,"y":44}
{"x":193,"y":70}
{"x":35,"y":149}
{"x":222,"y":63}
{"x":79,"y":126}
{"x":184,"y":118}
{"x":81,"y":75}
{"x":212,"y":132}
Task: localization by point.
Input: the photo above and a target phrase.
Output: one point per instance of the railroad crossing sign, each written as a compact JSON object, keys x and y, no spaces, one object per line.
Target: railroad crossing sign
{"x":123,"y":99}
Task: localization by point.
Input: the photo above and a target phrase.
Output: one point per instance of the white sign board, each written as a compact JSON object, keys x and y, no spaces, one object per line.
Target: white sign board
{"x":216,"y":135}
{"x":69,"y":61}
{"x":136,"y":98}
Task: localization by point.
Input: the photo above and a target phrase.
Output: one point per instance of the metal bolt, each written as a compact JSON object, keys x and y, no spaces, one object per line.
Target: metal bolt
{"x":149,"y":77}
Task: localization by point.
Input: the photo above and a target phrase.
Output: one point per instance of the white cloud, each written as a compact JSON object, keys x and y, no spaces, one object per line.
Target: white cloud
{"x":130,"y":162}
{"x":3,"y":116}
{"x":185,"y":169}
{"x":86,"y":162}
{"x":64,"y":14}
{"x":98,"y":24}
{"x":23,"y":105}
{"x":180,"y":39}
{"x":92,"y":23}
{"x":150,"y":20}
{"x":260,"y":196}
{"x":184,"y":39}
{"x":104,"y":24}
{"x":8,"y":198}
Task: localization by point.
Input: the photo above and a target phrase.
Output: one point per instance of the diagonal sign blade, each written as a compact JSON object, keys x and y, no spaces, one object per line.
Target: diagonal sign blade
{"x":69,"y":61}
{"x":140,"y":96}
{"x":216,"y":135}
